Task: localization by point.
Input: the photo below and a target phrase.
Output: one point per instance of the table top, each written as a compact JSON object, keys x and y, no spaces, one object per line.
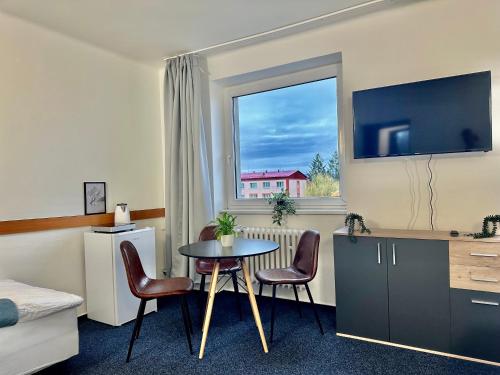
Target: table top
{"x":242,"y":247}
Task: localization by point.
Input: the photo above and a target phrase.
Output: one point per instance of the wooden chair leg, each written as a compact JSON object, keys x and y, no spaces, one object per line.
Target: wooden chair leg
{"x":297,"y":299}
{"x":314,"y":308}
{"x":235,"y":285}
{"x":273,"y":310}
{"x":186,"y":323}
{"x":140,"y":313}
{"x":201,"y":294}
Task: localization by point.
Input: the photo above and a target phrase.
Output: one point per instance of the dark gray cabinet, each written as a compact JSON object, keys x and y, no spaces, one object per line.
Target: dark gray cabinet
{"x":361,"y":287}
{"x":419,"y":293}
{"x":393,"y":290}
{"x":475,"y":324}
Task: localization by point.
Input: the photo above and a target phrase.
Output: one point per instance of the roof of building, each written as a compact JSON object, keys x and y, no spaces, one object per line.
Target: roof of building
{"x":273,"y":175}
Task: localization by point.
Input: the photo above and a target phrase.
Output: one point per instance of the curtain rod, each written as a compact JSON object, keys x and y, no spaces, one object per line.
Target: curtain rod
{"x":282,"y":28}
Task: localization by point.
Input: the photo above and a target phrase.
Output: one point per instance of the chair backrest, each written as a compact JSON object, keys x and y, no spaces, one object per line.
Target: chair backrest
{"x":135,"y":273}
{"x":208,"y":233}
{"x":306,"y":257}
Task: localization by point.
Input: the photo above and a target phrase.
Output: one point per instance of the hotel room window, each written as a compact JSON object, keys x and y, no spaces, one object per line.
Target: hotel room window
{"x":286,"y":139}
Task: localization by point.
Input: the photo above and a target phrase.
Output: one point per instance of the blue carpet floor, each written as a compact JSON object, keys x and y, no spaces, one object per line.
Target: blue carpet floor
{"x":233,"y":346}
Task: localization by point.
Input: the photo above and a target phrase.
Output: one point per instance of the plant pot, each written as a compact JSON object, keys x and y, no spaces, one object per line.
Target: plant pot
{"x":227,"y":240}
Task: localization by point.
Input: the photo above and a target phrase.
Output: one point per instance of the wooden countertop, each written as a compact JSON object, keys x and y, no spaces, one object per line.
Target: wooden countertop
{"x":415,"y":234}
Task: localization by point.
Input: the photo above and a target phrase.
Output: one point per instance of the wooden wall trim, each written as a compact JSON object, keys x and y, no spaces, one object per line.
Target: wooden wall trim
{"x":51,"y":223}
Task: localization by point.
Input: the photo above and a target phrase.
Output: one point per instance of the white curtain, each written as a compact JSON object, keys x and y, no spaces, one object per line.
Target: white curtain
{"x":187,"y":180}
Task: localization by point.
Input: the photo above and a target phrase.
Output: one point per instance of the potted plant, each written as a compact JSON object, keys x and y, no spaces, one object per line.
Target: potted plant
{"x":350,"y":221}
{"x":225,"y":231}
{"x":283,"y":206}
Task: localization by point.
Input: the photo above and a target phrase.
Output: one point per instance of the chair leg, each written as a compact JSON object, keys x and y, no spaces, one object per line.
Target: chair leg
{"x":235,"y":285}
{"x":273,"y":309}
{"x":137,"y":324}
{"x":186,"y":307}
{"x":314,"y":308}
{"x":201,"y":294}
{"x":186,"y":323}
{"x":297,"y":299}
{"x":260,"y":289}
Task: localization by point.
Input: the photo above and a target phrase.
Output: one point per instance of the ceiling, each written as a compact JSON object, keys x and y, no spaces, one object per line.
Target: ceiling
{"x":152,"y":29}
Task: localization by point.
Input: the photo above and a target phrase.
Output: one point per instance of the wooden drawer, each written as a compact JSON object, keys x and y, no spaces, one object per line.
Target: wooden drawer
{"x":475,"y":324}
{"x":479,"y":254}
{"x":475,"y":278}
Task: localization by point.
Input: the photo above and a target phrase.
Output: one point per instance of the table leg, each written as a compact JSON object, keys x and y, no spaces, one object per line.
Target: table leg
{"x":253,"y":303}
{"x":210,"y":303}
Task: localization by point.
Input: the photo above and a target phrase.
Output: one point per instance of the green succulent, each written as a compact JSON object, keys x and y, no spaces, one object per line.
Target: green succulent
{"x":486,"y":232}
{"x":350,"y":221}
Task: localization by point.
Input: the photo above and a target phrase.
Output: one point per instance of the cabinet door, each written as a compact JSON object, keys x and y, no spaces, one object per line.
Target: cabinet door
{"x":361,"y":287}
{"x":419,"y":293}
{"x":475,"y":324}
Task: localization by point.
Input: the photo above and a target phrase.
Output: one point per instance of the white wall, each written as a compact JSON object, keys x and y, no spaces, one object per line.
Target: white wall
{"x":420,"y":41}
{"x":70,"y":112}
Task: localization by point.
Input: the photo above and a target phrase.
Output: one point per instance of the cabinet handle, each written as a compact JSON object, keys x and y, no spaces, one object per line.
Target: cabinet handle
{"x":481,"y":302}
{"x":484,"y":279}
{"x":486,"y":255}
{"x":378,"y":253}
{"x":393,"y":254}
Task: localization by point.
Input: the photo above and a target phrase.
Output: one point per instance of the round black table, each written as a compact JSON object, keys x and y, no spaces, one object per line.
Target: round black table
{"x":241,"y":249}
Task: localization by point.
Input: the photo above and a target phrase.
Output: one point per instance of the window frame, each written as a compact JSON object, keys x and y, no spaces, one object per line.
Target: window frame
{"x":304,"y":205}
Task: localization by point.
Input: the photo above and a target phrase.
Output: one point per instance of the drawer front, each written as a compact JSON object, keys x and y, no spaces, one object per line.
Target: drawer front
{"x":479,"y":254}
{"x":485,"y":279}
{"x":475,"y":324}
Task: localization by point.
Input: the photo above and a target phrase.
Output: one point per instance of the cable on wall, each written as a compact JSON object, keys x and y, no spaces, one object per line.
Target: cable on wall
{"x":418,"y":195}
{"x":411,"y":182}
{"x":431,"y":193}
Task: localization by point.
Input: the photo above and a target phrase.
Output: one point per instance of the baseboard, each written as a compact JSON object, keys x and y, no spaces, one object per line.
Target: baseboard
{"x":456,"y":356}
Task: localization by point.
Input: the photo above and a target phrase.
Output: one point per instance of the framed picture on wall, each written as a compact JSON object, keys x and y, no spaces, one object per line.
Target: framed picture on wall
{"x":95,"y":197}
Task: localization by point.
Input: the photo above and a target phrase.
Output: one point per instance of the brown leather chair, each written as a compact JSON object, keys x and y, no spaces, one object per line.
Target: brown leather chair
{"x":302,"y":271}
{"x":146,"y":289}
{"x":205,"y":267}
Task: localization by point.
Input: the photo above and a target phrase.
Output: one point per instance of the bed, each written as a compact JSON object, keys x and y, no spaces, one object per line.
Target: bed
{"x":46,"y":332}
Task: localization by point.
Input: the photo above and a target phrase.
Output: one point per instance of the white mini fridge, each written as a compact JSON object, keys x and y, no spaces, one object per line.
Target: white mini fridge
{"x":109,"y":299}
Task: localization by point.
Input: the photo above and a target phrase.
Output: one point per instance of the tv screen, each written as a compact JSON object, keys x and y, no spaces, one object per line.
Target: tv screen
{"x":437,"y":116}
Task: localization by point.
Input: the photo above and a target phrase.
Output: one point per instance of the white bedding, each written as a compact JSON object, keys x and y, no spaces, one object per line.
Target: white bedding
{"x":28,"y":347}
{"x":35,"y":303}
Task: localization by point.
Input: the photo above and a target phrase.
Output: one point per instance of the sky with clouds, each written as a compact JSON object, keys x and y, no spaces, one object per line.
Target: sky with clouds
{"x":285,"y":128}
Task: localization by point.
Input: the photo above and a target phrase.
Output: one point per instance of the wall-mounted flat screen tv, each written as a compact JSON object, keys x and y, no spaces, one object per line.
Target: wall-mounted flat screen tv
{"x":443,"y":115}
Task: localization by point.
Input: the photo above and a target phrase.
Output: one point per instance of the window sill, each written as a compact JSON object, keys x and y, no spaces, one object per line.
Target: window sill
{"x":337,"y":210}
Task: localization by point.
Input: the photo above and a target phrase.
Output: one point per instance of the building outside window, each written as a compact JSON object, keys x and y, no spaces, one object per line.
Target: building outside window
{"x":279,"y":184}
{"x":266,"y":184}
{"x":266,"y":195}
{"x":253,"y":195}
{"x":253,"y":185}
